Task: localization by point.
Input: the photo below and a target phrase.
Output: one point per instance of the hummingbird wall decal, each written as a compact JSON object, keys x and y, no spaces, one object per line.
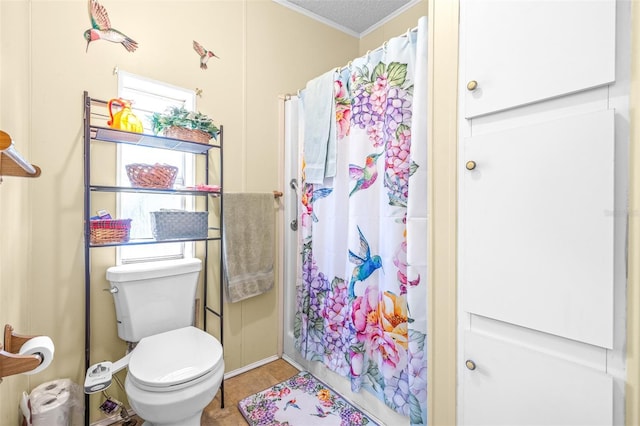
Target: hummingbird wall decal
{"x":204,"y":54}
{"x":364,"y":176}
{"x":101,"y":28}
{"x":365,"y":264}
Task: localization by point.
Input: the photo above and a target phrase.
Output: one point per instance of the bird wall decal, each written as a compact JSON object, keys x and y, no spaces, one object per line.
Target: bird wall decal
{"x":101,"y":28}
{"x":204,"y":54}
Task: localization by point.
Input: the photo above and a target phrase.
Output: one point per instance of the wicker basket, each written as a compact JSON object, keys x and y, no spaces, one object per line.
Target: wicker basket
{"x":160,"y":176}
{"x":103,"y":231}
{"x":172,"y":224}
{"x":185,"y":134}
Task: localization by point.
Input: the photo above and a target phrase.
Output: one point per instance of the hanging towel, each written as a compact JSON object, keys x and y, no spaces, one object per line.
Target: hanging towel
{"x":319,"y":128}
{"x":248,"y":241}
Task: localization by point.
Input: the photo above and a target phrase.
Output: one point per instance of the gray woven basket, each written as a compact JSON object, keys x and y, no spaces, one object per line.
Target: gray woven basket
{"x":172,"y":224}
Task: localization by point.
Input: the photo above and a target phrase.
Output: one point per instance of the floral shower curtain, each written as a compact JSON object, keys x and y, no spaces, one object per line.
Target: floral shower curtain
{"x":361,"y":290}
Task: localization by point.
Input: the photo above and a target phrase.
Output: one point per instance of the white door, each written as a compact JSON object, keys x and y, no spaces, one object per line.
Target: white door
{"x":509,"y":384}
{"x":538,"y":245}
{"x":523,"y":51}
{"x":540,"y":225}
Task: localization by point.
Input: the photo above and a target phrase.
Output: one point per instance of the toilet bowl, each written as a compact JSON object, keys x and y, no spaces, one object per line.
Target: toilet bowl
{"x":173,"y":376}
{"x":176,"y":369}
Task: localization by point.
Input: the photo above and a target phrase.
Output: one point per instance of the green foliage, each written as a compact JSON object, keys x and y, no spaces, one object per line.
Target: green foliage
{"x":415,"y":410}
{"x":297,"y":325}
{"x":375,"y":376}
{"x":180,"y":117}
{"x":396,"y":74}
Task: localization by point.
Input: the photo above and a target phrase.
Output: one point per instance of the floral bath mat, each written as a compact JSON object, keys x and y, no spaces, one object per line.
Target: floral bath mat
{"x":301,"y":400}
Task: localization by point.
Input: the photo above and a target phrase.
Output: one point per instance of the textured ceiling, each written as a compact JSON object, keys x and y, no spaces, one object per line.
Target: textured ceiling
{"x":355,"y":17}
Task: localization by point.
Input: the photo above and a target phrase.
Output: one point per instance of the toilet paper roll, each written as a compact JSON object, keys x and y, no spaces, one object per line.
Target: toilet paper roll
{"x":57,"y":403}
{"x":42,"y":346}
{"x":53,"y":387}
{"x":50,"y":410}
{"x":50,"y":403}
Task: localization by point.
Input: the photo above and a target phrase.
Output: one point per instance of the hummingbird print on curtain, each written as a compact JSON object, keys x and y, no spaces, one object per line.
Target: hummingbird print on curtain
{"x":101,"y":28}
{"x":364,"y":176}
{"x":366,"y":264}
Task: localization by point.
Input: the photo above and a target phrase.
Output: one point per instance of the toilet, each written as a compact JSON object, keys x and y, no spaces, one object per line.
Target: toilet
{"x":175,"y":369}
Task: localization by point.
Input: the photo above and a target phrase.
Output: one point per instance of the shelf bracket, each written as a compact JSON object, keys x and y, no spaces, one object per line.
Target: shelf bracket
{"x":12,"y":163}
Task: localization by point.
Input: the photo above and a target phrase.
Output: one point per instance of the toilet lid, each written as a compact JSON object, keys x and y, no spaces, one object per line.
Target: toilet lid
{"x":174,"y":357}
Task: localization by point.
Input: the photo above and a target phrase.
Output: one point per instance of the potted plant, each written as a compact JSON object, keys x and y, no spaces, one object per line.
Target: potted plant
{"x":177,"y":122}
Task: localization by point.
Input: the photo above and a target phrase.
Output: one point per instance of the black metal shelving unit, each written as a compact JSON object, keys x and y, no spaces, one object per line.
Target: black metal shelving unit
{"x":94,"y":133}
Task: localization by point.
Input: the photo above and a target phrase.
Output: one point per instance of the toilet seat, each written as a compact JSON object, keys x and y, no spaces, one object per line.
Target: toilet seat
{"x":175,"y":359}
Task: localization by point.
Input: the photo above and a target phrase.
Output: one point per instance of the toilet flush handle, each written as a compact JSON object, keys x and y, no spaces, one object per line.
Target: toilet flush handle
{"x":111,"y":290}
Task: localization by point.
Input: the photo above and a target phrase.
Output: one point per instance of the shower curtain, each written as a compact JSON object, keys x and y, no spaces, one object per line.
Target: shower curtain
{"x":361,"y":287}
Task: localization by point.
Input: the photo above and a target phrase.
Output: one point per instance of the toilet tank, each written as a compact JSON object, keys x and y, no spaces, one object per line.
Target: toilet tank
{"x":154,"y":297}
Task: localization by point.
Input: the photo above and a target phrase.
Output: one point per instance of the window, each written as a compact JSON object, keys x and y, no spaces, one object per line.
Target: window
{"x":149,"y":96}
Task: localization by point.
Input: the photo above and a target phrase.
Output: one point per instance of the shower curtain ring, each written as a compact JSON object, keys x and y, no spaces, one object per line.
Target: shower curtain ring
{"x":384,"y":46}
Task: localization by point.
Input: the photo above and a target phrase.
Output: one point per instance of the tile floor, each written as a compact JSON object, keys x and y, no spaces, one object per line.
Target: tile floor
{"x":238,"y":387}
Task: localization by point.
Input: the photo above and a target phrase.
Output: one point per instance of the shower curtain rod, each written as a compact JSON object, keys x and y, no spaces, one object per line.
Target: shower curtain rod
{"x":383,"y":46}
{"x":340,"y":69}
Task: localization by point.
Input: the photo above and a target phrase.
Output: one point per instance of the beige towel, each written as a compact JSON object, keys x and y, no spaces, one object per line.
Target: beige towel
{"x":248,"y":241}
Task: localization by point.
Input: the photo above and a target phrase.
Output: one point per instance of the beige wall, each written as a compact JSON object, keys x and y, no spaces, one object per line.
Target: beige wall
{"x":15,"y":212}
{"x":443,"y":125}
{"x":265,"y":50}
{"x":394,"y":27}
